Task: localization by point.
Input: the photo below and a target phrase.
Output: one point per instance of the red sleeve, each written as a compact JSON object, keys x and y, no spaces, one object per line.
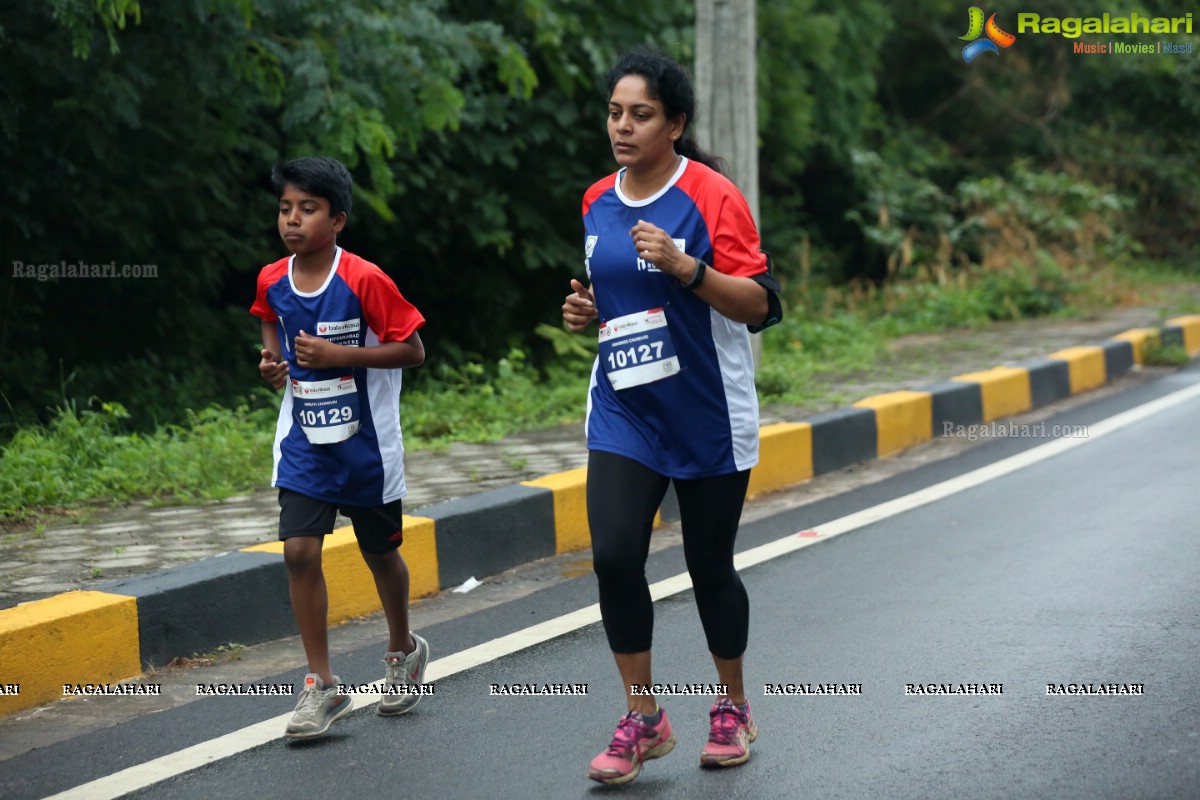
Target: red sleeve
{"x":267,"y":277}
{"x":731,"y":229}
{"x":388,"y":314}
{"x":596,"y":189}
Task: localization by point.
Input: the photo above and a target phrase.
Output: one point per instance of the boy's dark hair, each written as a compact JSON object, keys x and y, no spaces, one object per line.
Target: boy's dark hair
{"x":320,"y":176}
{"x":670,"y":83}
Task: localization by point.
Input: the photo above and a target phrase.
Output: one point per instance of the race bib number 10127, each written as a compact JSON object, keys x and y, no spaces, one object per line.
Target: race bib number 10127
{"x":637,"y":349}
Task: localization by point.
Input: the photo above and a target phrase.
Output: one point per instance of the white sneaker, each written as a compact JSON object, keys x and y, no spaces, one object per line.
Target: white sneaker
{"x":405,"y":679}
{"x":317,"y":709}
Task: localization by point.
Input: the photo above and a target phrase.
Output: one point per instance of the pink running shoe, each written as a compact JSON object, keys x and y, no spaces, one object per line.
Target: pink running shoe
{"x":633,"y":743}
{"x":729,"y":736}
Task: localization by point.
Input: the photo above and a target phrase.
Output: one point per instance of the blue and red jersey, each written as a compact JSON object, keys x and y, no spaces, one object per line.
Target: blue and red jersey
{"x":698,"y":417}
{"x":359,"y":306}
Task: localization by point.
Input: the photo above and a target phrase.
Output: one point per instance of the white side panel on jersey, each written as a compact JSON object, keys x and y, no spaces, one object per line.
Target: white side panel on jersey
{"x":587,"y":416}
{"x":283,"y":426}
{"x":383,"y":390}
{"x":732,"y":342}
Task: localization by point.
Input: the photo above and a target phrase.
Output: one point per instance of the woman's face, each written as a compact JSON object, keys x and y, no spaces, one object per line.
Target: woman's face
{"x":641,"y":135}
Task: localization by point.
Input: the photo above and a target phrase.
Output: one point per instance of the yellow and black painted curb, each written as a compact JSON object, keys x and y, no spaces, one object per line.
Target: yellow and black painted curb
{"x":112,"y":635}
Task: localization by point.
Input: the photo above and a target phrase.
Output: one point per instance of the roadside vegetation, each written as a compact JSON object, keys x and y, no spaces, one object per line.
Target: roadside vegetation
{"x":91,"y":455}
{"x":901,"y":192}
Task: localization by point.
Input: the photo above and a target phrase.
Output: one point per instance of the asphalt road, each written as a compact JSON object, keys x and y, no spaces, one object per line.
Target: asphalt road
{"x":1080,"y":568}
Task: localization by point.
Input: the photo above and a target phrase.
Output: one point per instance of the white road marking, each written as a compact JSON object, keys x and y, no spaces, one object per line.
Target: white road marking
{"x":168,"y":766}
{"x":962,"y":482}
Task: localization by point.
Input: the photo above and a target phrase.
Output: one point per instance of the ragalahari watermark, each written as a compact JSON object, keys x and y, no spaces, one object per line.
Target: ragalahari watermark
{"x":68,"y":270}
{"x":1013,"y":430}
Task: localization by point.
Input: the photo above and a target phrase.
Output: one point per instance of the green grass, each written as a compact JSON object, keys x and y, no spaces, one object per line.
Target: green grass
{"x":474,"y":403}
{"x":832,"y":336}
{"x":828,"y":340}
{"x":84,"y":456}
{"x":1159,"y":355}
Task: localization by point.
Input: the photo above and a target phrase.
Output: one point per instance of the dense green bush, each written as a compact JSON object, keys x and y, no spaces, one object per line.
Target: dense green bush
{"x":472,"y":129}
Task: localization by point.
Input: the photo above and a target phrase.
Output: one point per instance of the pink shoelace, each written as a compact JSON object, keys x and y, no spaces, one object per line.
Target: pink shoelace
{"x":725,"y":718}
{"x":629,"y":730}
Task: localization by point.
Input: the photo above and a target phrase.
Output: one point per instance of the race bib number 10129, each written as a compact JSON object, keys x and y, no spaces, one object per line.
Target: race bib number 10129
{"x":327,"y":411}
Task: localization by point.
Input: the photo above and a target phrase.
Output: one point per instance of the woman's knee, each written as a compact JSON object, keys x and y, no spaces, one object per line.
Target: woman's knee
{"x":713,"y":577}
{"x":615,"y":565}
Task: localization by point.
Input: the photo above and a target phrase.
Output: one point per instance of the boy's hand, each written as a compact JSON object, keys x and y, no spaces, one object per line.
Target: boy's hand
{"x":579,"y":308}
{"x":313,"y":352}
{"x":272,"y":370}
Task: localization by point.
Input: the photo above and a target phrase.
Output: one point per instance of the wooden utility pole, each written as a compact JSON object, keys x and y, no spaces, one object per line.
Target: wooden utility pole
{"x":726,"y":96}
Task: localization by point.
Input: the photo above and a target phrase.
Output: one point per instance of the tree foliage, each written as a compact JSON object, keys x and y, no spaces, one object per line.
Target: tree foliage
{"x":471,"y":129}
{"x":875,"y":132}
{"x":144,"y":134}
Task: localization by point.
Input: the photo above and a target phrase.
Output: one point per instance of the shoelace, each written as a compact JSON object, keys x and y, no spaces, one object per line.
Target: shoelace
{"x":725,"y":718}
{"x":629,"y":730}
{"x":310,"y":699}
{"x":395,"y":670}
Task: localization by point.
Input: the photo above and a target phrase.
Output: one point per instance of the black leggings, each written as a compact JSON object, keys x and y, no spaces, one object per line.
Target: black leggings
{"x":622,"y":497}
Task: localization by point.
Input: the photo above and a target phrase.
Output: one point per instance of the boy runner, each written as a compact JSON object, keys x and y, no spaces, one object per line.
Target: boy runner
{"x":337,"y":332}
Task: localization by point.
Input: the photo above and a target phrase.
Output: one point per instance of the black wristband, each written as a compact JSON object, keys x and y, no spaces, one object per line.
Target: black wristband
{"x":697,"y":276}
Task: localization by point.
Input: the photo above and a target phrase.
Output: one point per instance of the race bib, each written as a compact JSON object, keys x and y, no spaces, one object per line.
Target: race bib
{"x":327,"y":411}
{"x":637,"y":349}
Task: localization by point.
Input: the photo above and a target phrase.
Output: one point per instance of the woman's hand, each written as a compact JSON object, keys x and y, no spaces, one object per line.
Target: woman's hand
{"x":736,"y":298}
{"x":655,"y":245}
{"x":579,"y":308}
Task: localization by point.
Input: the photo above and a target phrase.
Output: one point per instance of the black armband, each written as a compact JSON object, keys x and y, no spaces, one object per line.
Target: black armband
{"x":774,"y":306}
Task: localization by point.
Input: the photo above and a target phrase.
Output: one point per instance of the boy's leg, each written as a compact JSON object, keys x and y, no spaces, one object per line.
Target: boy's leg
{"x":391,"y":581}
{"x":310,"y":600}
{"x":380,"y":532}
{"x":303,"y":523}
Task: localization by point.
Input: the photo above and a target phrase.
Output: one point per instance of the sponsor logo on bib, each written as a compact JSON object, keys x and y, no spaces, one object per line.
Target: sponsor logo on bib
{"x":335,"y":328}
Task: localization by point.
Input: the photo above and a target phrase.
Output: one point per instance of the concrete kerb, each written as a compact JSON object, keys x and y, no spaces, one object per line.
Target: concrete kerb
{"x":487,"y":533}
{"x":1049,"y":380}
{"x":842,"y":437}
{"x":69,"y":639}
{"x":108,"y":636}
{"x":902,"y":419}
{"x":1139,"y":339}
{"x":1118,"y":357}
{"x":955,"y":403}
{"x":192,"y":608}
{"x":1184,"y":331}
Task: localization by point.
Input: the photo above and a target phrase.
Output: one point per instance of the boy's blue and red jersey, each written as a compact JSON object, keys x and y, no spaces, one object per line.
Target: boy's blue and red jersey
{"x":338,"y":435}
{"x":673,"y":386}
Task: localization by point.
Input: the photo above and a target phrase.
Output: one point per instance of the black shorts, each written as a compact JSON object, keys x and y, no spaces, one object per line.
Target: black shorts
{"x":379,"y":529}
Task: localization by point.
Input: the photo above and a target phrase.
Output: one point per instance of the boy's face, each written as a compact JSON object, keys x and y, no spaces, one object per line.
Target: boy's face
{"x":304,"y":222}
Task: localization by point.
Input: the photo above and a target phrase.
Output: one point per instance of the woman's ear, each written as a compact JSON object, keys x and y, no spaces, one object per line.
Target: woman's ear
{"x":678,"y":126}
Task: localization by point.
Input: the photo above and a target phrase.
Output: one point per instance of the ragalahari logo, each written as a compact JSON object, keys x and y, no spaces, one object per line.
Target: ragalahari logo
{"x":976,"y":46}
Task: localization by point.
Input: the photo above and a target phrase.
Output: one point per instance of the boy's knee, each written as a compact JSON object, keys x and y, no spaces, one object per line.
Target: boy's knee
{"x":301,"y":553}
{"x":383,"y":562}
